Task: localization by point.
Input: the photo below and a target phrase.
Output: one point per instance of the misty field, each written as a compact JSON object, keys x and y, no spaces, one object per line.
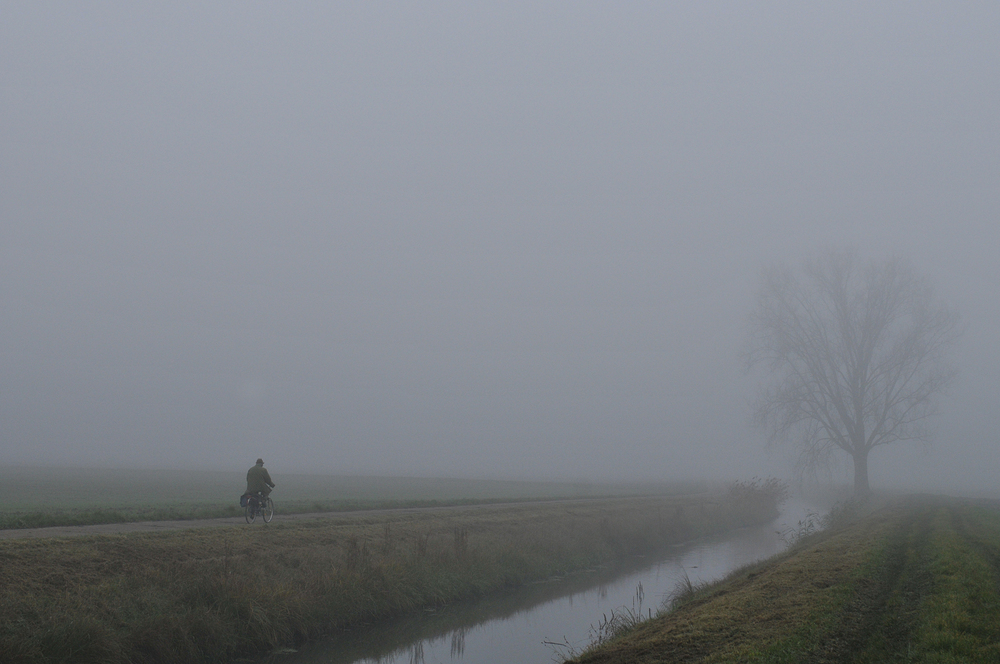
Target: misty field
{"x":39,"y":497}
{"x":221,"y":593}
{"x":916,"y":581}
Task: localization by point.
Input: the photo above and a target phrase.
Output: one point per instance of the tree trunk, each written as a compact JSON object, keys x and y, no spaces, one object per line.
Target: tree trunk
{"x":861,"y":487}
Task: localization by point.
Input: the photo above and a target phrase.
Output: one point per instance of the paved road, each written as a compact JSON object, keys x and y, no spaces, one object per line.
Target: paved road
{"x":148,"y":526}
{"x":158,"y":526}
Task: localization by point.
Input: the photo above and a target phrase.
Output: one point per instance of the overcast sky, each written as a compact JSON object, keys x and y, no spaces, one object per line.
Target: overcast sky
{"x":478,"y":239}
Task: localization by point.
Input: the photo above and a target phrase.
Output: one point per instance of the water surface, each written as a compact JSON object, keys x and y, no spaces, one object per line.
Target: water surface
{"x":539,"y":623}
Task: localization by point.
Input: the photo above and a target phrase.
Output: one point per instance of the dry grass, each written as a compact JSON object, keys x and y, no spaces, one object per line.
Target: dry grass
{"x":218,"y":594}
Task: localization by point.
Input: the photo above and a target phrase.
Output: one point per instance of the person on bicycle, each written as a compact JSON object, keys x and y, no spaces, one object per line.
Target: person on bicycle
{"x":259,"y":480}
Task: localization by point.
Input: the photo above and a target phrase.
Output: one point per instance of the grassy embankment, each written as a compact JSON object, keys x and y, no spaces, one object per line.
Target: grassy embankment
{"x":917,"y":580}
{"x":223,"y":593}
{"x":40,"y":497}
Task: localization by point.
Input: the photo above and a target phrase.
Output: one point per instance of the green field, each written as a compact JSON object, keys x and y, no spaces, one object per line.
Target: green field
{"x":36,"y":497}
{"x":218,"y":594}
{"x":917,"y":580}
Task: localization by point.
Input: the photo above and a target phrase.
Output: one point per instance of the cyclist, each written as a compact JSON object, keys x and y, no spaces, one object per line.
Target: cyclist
{"x":259,"y":480}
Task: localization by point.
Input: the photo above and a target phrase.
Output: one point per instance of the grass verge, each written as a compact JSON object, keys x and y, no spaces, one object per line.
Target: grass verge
{"x":915,"y":581}
{"x":227,"y":593}
{"x":88,"y":516}
{"x":42,"y":497}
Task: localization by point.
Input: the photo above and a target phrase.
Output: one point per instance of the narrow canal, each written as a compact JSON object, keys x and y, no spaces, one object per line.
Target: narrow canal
{"x":541,"y":623}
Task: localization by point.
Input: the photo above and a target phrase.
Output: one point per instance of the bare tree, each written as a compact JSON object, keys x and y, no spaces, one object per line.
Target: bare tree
{"x":855,"y":353}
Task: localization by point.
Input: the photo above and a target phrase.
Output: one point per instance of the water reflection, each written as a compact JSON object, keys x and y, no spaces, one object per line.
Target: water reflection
{"x":521,"y":626}
{"x":458,"y":643}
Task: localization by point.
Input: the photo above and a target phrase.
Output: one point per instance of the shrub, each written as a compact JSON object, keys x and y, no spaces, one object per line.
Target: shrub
{"x":757,"y":498}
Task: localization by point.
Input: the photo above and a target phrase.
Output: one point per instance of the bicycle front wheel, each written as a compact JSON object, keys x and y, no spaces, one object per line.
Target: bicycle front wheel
{"x":268,"y":511}
{"x":250,"y":513}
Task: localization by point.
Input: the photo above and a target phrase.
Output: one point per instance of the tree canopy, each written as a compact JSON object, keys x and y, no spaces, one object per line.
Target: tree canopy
{"x":855,"y":354}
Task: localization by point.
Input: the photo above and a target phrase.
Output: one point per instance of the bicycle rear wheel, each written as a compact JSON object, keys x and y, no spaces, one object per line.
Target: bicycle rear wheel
{"x":250,"y":512}
{"x":268,"y":510}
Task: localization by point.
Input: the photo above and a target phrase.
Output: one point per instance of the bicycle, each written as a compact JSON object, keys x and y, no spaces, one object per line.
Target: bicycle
{"x":259,"y":505}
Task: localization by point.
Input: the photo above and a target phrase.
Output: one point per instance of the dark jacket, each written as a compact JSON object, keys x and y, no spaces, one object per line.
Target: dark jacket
{"x":258,"y":480}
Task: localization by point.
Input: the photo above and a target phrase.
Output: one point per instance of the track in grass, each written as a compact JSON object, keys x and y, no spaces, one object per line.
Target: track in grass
{"x":918,"y":580}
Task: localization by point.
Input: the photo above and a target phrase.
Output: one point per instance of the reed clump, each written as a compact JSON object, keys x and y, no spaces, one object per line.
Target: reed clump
{"x":748,"y":499}
{"x":226,"y":593}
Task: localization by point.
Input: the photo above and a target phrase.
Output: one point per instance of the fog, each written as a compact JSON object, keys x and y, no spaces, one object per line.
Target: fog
{"x":514,"y":240}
